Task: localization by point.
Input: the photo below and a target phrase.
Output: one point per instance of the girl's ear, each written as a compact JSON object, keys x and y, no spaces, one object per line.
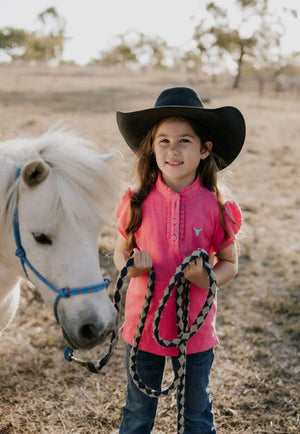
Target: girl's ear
{"x":205,"y":150}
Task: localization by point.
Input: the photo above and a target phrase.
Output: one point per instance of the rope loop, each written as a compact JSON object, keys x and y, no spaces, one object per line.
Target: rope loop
{"x":185,"y":332}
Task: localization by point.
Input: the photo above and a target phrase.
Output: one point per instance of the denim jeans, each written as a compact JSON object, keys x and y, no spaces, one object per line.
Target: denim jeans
{"x":140,"y":410}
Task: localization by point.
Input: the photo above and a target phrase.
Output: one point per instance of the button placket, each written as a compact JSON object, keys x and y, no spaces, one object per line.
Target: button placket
{"x":175,"y":223}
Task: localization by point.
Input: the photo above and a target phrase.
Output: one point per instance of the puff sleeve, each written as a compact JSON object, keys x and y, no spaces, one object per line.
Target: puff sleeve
{"x":122,"y":212}
{"x":233,"y":222}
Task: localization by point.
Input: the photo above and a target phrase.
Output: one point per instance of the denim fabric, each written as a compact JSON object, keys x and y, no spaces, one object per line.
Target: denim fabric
{"x":140,"y":410}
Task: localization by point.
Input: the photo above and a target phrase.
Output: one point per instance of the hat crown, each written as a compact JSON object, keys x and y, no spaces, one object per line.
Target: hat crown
{"x":179,"y":96}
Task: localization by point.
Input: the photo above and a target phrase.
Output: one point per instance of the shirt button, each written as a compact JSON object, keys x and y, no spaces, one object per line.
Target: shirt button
{"x":174,"y":237}
{"x":175,"y":221}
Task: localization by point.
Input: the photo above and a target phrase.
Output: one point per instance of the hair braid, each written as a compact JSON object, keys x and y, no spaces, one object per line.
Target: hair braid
{"x":148,"y":170}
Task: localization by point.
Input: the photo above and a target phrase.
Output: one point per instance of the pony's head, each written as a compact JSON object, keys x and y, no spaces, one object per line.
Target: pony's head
{"x":64,"y":194}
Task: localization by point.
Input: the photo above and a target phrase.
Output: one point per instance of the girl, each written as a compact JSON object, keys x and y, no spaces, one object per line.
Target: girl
{"x":176,"y":209}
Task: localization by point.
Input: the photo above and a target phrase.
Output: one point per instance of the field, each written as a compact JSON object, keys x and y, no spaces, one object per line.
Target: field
{"x":255,"y":377}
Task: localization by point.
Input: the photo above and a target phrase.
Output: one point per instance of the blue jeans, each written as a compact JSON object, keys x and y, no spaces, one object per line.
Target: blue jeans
{"x":140,"y":410}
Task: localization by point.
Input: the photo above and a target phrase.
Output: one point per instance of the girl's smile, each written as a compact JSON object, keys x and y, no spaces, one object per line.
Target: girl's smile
{"x":174,"y":163}
{"x":178,"y":153}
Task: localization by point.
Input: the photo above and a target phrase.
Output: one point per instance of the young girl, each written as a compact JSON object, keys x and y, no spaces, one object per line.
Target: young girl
{"x":176,"y":209}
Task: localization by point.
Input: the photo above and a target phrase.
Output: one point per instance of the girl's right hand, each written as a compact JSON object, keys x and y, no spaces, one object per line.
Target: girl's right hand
{"x":142,"y":263}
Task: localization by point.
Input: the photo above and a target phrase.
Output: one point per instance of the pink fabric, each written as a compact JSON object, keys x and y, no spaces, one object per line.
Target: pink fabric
{"x":173,"y":226}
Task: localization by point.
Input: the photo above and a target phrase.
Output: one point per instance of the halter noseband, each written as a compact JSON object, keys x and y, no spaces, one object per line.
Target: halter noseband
{"x":62,"y":292}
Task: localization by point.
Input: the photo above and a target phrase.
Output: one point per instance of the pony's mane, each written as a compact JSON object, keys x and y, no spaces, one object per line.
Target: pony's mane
{"x":79,"y":181}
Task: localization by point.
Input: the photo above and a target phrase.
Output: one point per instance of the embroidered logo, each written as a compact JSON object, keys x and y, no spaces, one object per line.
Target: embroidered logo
{"x":197,"y":231}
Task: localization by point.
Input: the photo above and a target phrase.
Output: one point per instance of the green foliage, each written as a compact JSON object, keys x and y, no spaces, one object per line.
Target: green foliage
{"x":191,"y":60}
{"x":242,"y":44}
{"x":249,"y":3}
{"x":42,"y":48}
{"x":215,"y":10}
{"x":11,"y":38}
{"x":33,"y":45}
{"x":119,"y":55}
{"x":50,"y":11}
{"x":133,"y":48}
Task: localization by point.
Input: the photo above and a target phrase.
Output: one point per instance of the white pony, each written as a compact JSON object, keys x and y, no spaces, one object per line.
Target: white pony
{"x":63,"y":195}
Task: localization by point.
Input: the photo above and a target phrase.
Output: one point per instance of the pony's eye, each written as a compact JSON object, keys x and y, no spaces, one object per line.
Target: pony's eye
{"x":41,"y":238}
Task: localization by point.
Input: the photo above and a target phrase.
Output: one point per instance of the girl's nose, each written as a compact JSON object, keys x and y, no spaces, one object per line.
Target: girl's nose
{"x":173,"y":147}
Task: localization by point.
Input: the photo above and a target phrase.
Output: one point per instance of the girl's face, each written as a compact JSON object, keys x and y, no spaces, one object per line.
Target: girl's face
{"x":178,"y":153}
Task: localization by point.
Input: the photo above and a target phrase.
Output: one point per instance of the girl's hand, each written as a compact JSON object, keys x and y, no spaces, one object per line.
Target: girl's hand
{"x":142,"y":263}
{"x":196,"y":274}
{"x":142,"y":260}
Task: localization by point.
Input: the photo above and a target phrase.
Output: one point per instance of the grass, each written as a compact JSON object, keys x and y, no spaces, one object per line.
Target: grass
{"x":255,"y":377}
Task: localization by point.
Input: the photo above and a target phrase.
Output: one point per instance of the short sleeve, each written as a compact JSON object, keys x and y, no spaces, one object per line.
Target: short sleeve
{"x":233,"y":222}
{"x":122,"y":212}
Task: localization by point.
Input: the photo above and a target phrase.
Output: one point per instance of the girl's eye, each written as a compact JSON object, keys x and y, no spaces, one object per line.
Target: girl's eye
{"x":162,"y":142}
{"x":185,"y":141}
{"x":41,"y":238}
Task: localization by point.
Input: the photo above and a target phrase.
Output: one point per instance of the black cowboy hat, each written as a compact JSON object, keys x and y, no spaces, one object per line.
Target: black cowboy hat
{"x":225,"y":125}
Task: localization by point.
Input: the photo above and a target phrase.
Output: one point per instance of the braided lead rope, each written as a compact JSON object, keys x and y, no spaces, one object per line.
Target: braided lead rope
{"x":182,"y":284}
{"x":184,"y":333}
{"x":137,"y":338}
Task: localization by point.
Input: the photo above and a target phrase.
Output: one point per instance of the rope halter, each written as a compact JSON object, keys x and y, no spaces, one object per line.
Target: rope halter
{"x":61,"y":292}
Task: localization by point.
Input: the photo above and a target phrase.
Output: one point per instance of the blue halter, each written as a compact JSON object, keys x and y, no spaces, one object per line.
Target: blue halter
{"x":61,"y":293}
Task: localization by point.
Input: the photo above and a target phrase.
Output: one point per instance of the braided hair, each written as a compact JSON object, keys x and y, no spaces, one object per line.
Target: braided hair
{"x":147,"y":171}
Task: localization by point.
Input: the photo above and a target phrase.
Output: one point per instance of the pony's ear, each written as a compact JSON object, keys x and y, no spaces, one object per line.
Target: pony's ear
{"x":106,"y":157}
{"x":34,"y":172}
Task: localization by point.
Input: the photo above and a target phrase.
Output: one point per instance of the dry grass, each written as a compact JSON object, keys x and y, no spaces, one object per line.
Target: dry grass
{"x":255,"y":378}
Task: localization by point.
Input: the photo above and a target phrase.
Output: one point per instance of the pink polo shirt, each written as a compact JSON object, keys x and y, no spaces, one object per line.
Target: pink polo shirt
{"x":173,"y":226}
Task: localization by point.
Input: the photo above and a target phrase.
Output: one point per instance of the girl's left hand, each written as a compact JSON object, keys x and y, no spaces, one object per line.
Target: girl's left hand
{"x":196,"y":274}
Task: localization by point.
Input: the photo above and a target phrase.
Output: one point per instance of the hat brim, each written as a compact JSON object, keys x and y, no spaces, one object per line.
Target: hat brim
{"x":225,"y":125}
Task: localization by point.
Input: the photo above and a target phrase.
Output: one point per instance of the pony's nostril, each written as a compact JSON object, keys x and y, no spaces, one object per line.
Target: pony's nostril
{"x":89,"y":332}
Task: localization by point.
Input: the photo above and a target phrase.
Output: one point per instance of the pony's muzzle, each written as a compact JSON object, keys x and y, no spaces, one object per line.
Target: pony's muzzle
{"x":88,"y":326}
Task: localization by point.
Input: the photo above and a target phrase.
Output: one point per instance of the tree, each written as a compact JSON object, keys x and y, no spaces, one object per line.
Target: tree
{"x":135,"y":48}
{"x":122,"y":54}
{"x":50,"y":12}
{"x":11,"y":39}
{"x":47,"y":43}
{"x":42,"y":48}
{"x":154,"y":51}
{"x":256,"y":35}
{"x":43,"y":45}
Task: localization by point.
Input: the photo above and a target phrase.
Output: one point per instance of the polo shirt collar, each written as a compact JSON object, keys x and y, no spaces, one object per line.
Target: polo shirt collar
{"x":186,"y":193}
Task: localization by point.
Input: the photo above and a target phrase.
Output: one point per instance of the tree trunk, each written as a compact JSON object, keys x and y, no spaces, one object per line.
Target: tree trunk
{"x":239,"y":71}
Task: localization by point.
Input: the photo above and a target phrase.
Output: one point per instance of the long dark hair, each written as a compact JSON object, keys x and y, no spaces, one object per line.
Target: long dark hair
{"x":147,"y":171}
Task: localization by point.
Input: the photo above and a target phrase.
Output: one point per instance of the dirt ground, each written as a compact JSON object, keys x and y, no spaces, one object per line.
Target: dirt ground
{"x":255,"y":377}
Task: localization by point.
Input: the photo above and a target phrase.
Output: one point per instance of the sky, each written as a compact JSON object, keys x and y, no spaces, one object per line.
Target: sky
{"x":91,"y":25}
